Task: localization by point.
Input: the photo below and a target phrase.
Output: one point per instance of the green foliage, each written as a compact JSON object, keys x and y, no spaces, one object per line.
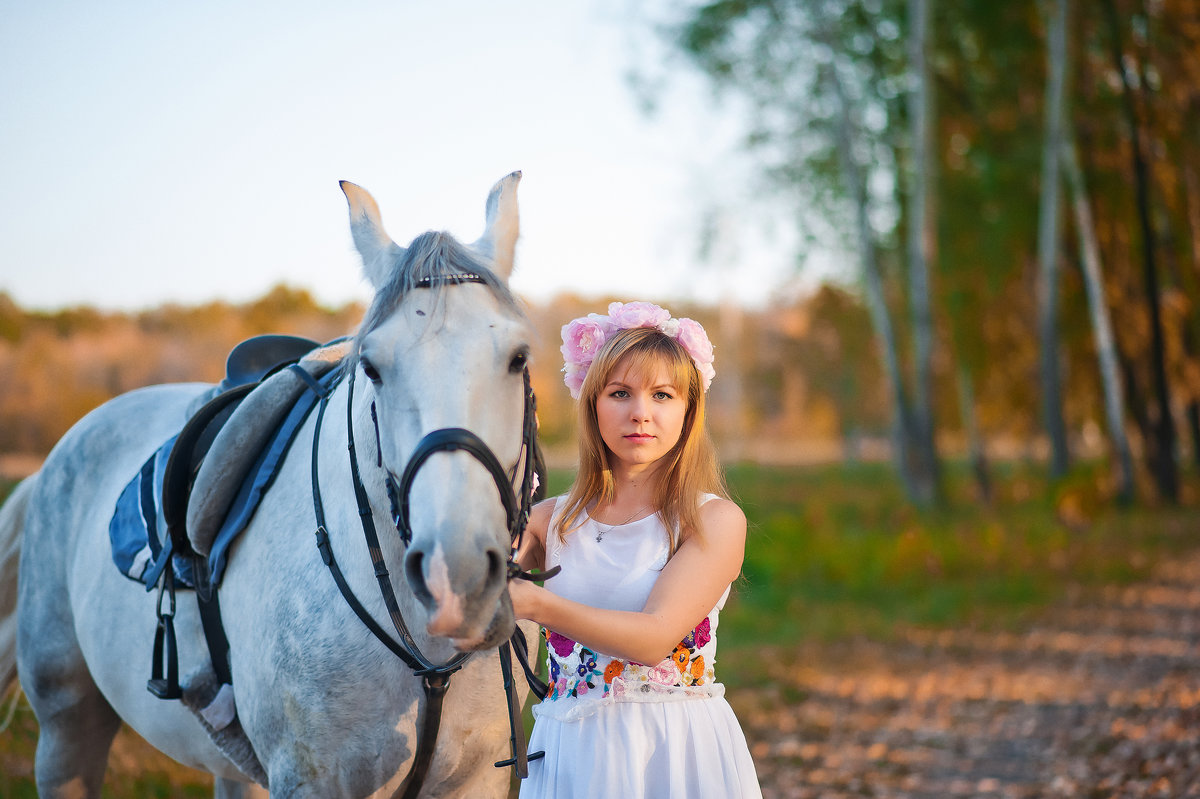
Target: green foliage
{"x":836,"y":551}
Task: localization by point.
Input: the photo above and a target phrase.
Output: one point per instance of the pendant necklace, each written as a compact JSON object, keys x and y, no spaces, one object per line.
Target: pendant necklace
{"x":603,"y":532}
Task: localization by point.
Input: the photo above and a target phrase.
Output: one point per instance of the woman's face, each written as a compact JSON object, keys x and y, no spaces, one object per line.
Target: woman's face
{"x":640,"y":416}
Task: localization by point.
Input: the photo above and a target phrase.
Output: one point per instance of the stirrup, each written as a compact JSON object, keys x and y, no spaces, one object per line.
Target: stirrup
{"x":165,"y":687}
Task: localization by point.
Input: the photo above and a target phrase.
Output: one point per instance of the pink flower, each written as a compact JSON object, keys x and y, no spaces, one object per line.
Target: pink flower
{"x":693,"y":339}
{"x":573,"y":377}
{"x":625,"y":315}
{"x":703,"y":633}
{"x":664,"y":673}
{"x":582,"y":340}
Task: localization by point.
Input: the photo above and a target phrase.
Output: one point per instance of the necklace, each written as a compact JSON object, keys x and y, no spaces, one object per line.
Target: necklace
{"x":603,"y":532}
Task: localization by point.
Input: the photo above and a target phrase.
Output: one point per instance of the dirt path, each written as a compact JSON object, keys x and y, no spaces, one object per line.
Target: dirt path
{"x":1098,"y":697}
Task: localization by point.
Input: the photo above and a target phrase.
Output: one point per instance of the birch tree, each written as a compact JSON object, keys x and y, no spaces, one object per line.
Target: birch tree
{"x":1106,"y":351}
{"x":1048,"y":273}
{"x":922,"y":249}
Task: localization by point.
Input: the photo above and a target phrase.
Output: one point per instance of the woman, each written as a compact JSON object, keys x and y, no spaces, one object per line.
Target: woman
{"x":649,"y":545}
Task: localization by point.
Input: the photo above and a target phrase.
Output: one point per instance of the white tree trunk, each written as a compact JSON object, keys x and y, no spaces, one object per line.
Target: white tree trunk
{"x":872,"y":274}
{"x":1056,"y":46}
{"x":1106,"y":350}
{"x":922,"y":248}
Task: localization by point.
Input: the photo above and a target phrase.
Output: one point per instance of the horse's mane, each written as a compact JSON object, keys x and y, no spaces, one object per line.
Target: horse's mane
{"x":435,"y":259}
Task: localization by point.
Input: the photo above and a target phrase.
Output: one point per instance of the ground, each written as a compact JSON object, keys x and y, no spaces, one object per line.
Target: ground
{"x":1096,"y":696}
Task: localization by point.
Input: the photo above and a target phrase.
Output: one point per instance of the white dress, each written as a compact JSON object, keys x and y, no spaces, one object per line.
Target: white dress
{"x":613,"y":728}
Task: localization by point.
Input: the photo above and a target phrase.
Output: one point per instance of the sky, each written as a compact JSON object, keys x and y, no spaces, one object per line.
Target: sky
{"x":184,"y":152}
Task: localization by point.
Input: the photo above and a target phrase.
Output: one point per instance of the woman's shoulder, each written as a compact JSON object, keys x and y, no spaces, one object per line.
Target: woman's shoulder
{"x":722,"y":518}
{"x":541,"y":515}
{"x":717,"y":505}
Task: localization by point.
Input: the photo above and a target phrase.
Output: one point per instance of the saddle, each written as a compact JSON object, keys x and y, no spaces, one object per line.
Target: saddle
{"x":225,"y":443}
{"x":216,"y":470}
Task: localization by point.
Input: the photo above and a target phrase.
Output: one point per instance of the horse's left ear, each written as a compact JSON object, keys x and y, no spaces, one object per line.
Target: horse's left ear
{"x":499,"y":240}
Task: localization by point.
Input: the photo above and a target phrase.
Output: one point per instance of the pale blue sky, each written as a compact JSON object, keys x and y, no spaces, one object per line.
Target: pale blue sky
{"x":155,"y":151}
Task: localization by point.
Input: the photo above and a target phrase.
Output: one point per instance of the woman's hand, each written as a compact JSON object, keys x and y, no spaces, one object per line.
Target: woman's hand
{"x":689,"y":587}
{"x":525,"y":598}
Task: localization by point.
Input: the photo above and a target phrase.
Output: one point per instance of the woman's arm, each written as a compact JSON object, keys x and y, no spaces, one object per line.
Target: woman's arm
{"x":532,"y":554}
{"x":689,"y":587}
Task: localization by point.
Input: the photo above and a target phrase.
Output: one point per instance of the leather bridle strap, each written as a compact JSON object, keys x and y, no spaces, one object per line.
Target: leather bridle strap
{"x":434,"y":678}
{"x":326,"y":550}
{"x":453,"y":439}
{"x":367,"y":517}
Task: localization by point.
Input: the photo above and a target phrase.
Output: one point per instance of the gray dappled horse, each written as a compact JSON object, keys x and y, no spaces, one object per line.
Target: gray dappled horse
{"x":328,"y":710}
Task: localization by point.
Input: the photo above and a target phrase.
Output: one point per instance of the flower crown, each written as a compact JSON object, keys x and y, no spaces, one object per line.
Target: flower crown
{"x":584,"y":337}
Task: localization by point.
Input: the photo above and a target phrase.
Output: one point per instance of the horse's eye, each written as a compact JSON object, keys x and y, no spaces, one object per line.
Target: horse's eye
{"x":369,"y":370}
{"x":519,"y":362}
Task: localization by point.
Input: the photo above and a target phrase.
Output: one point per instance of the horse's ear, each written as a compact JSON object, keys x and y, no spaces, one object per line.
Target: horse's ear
{"x":499,"y":240}
{"x":379,"y":253}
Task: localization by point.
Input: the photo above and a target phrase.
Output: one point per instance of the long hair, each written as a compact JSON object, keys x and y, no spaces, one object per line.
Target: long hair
{"x":687,"y":470}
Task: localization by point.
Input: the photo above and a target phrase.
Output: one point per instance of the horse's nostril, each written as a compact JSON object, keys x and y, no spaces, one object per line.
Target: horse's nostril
{"x":497,"y":566}
{"x":414,"y":570}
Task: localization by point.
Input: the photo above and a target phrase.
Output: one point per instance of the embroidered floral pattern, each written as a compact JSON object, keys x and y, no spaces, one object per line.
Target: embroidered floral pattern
{"x":575,"y":670}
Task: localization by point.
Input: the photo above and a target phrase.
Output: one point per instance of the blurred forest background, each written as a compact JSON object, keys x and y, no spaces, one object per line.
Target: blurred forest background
{"x":996,"y":405}
{"x":1017,"y":197}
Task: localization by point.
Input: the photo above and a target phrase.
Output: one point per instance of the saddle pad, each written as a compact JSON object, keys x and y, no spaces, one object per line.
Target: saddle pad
{"x":141,"y":546}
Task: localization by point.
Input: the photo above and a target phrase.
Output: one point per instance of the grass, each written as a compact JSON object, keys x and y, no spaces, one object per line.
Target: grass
{"x":835,"y":551}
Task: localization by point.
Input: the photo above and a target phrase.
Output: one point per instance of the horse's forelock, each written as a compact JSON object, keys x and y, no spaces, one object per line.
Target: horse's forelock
{"x":437,"y":257}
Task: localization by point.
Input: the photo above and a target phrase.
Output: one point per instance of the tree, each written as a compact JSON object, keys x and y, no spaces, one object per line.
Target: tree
{"x":1048,"y":239}
{"x":922,"y":248}
{"x":1162,"y":444}
{"x":828,"y":82}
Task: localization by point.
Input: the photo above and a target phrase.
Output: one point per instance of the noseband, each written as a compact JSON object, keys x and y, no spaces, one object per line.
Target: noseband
{"x":435,"y":678}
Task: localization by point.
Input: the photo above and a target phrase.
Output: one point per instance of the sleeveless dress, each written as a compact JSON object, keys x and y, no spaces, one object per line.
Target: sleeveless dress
{"x":615,"y":729}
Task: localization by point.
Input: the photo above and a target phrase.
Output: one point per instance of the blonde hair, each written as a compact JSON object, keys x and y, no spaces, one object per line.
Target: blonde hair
{"x":688,"y":469}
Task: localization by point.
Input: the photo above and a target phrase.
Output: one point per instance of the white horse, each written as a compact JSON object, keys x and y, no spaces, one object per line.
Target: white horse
{"x":328,"y":709}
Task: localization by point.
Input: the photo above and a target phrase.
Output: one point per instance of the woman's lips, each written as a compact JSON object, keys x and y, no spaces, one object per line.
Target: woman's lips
{"x":639,"y":438}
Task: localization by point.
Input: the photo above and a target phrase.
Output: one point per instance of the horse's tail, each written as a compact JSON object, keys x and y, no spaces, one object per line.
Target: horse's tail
{"x":12,"y":522}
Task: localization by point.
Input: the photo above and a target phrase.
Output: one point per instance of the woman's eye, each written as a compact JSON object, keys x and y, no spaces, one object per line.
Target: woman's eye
{"x":620,"y":393}
{"x":662,"y":395}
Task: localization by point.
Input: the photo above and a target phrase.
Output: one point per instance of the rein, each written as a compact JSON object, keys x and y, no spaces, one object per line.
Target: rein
{"x":435,"y":678}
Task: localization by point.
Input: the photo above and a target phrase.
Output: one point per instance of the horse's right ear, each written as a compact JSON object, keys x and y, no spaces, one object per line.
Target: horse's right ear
{"x":379,"y":253}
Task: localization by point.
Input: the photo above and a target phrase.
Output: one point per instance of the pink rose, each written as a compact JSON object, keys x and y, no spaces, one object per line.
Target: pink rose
{"x":707,"y":373}
{"x":625,"y":315}
{"x":582,"y":340}
{"x":573,"y":376}
{"x":695,"y":341}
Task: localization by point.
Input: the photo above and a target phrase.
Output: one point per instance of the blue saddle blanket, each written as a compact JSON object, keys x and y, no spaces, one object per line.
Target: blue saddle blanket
{"x":141,"y":545}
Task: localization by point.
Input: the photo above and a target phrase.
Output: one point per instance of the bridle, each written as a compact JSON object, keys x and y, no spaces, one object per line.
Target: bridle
{"x":435,"y":677}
